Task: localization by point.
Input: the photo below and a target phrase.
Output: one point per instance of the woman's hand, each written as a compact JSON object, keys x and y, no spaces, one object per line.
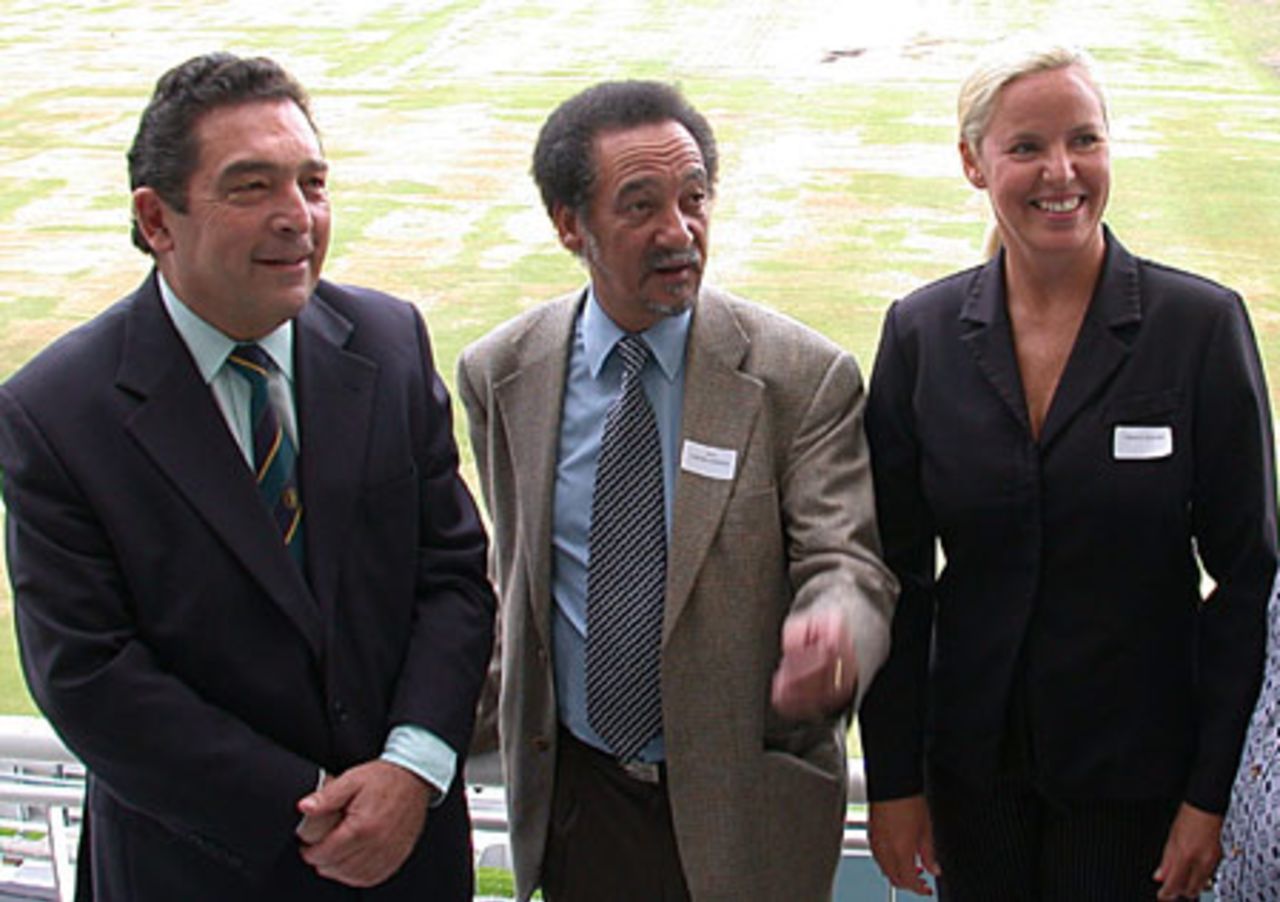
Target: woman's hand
{"x":1191,"y":854}
{"x":901,"y":836}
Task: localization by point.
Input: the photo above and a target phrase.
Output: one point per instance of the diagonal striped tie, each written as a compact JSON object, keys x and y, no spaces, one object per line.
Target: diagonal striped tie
{"x":274,"y":454}
{"x":626,"y":569}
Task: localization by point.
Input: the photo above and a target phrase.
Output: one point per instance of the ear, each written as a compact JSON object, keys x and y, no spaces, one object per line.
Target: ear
{"x":152,"y":215}
{"x":972,"y":170}
{"x":569,"y":229}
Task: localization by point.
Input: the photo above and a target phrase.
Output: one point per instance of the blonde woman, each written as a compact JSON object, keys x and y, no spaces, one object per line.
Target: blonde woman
{"x":1062,"y":713}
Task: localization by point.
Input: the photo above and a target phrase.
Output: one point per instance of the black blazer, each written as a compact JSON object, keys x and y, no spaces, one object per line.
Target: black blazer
{"x":1071,"y":562}
{"x":169,"y":637}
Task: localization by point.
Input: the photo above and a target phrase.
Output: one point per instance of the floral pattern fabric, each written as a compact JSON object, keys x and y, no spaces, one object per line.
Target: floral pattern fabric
{"x":1250,"y":868}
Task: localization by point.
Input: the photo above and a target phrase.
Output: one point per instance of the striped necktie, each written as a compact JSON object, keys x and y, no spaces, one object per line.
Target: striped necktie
{"x":274,"y":454}
{"x":626,"y":569}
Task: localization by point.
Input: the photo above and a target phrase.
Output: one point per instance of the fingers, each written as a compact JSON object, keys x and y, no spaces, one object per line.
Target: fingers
{"x":315,"y":827}
{"x":332,"y":797}
{"x":817,"y":673}
{"x":927,"y":857}
{"x":901,"y":868}
{"x":320,"y":812}
{"x":800,"y":685}
{"x":901,"y":836}
{"x":1191,"y":854}
{"x":1181,"y":879}
{"x":909,"y":876}
{"x":383,"y":814}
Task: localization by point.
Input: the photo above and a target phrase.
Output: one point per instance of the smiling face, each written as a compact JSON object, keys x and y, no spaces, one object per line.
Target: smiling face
{"x":644,"y":232}
{"x":1045,"y":164}
{"x":247,"y":253}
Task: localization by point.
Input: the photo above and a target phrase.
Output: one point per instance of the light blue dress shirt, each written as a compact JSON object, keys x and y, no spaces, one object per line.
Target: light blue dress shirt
{"x":592,"y":383}
{"x":411,"y":747}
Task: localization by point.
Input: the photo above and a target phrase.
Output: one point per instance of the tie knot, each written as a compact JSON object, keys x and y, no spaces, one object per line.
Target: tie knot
{"x":634,"y":353}
{"x":251,"y":360}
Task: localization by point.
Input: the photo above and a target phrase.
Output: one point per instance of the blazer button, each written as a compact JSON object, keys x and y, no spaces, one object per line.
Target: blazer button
{"x":541,"y":744}
{"x":340,"y":712}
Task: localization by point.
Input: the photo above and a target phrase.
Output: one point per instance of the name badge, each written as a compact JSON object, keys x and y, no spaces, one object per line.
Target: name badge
{"x":1142,"y":442}
{"x":713,"y":463}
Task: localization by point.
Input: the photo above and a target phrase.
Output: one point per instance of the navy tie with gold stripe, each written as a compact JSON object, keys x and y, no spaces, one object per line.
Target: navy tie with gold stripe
{"x":274,"y":455}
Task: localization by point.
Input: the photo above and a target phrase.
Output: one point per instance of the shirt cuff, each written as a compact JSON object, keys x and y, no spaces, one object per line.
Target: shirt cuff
{"x":423,"y":753}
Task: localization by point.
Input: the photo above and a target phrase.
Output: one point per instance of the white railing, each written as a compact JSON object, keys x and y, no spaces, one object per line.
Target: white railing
{"x":42,"y":787}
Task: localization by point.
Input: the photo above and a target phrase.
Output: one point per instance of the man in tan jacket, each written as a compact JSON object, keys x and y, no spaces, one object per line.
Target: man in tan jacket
{"x":685,"y":542}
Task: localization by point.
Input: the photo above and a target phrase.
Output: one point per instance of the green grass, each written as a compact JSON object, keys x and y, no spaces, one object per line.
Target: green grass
{"x":498,"y":883}
{"x":16,"y":195}
{"x":840,"y":188}
{"x":495,"y":882}
{"x":14,"y":698}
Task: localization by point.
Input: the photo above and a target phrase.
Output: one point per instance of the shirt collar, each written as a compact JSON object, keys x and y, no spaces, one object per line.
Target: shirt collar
{"x":666,"y":338}
{"x":209,"y":347}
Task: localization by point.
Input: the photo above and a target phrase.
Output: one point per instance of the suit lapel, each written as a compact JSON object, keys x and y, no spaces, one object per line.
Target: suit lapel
{"x":178,"y":425}
{"x":1101,"y":347}
{"x":335,"y":402}
{"x":721,"y":404}
{"x":988,"y":336}
{"x":529,"y":401}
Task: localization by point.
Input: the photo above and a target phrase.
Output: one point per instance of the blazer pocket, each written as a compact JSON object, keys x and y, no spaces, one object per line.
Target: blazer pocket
{"x":800,"y":776}
{"x":802,"y":794}
{"x":1143,"y":428}
{"x":1149,"y":408}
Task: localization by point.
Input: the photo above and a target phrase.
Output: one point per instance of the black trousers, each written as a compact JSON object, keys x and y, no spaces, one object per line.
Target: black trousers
{"x":1011,"y":843}
{"x":610,"y":835}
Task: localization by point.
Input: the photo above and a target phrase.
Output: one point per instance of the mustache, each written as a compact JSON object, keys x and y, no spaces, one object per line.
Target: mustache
{"x":672,"y":259}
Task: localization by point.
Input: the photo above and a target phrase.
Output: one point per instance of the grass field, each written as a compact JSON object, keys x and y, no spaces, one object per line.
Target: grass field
{"x":840,"y":187}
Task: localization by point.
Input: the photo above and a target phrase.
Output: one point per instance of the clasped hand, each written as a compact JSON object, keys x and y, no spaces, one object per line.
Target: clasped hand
{"x":360,"y":827}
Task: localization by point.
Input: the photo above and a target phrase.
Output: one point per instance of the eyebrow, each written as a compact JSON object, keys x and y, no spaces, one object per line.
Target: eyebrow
{"x":1086,"y":126}
{"x":640,"y":183}
{"x":242,"y":168}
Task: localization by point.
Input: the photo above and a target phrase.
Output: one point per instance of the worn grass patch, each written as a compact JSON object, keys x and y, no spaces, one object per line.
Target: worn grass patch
{"x":840,"y":188}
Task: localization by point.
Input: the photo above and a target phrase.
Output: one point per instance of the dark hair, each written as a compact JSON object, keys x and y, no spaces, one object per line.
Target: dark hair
{"x":563,"y":165}
{"x":165,"y":152}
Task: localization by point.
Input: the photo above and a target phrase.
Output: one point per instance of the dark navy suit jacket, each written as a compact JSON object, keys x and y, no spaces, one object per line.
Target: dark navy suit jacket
{"x":1071,"y":562}
{"x":171,"y":640}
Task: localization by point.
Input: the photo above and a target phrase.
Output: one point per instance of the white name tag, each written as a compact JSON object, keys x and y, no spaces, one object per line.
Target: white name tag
{"x":1142,"y":442}
{"x":713,"y":463}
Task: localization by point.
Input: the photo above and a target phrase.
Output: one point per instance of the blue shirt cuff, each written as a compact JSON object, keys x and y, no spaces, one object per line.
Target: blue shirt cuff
{"x":423,"y":753}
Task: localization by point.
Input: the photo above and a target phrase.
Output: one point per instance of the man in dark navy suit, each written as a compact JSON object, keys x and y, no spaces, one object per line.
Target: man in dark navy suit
{"x":271,"y":680}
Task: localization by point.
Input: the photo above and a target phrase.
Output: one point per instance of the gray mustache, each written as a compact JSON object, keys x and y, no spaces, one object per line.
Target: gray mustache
{"x":675,"y":258}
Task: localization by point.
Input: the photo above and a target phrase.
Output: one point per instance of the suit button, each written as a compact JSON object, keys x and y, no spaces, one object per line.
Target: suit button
{"x":542,"y":656}
{"x":340,"y":712}
{"x":541,"y":744}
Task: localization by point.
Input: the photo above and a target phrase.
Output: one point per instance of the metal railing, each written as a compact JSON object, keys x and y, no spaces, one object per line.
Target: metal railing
{"x":42,"y":789}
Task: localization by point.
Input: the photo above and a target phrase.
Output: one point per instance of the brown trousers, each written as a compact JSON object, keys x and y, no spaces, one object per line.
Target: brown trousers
{"x":610,"y":835}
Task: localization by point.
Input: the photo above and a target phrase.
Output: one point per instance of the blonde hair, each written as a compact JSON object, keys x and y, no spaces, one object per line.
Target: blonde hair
{"x":980,"y":91}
